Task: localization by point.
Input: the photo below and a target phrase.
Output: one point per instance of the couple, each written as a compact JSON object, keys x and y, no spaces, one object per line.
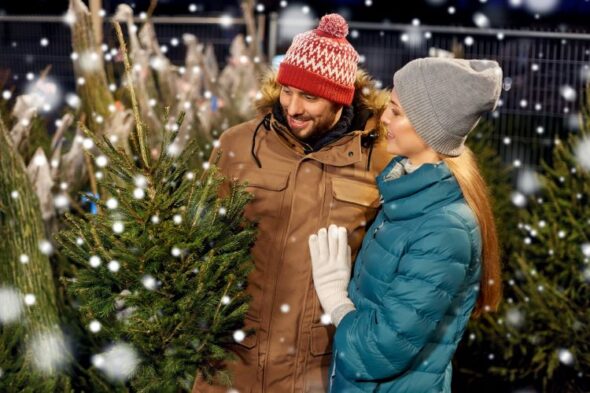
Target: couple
{"x":401,"y":195}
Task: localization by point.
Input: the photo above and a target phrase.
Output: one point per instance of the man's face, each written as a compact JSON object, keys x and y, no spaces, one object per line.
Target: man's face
{"x":308,"y":116}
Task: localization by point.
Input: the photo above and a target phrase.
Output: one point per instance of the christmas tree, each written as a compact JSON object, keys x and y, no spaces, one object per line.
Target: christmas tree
{"x":32,"y":345}
{"x":539,"y":339}
{"x":161,"y":265}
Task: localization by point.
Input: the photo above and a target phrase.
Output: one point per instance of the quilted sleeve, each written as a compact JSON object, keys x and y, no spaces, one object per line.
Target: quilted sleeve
{"x":379,"y":344}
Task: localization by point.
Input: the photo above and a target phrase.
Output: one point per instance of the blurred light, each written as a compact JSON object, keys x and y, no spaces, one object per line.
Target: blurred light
{"x":481,"y":20}
{"x":226,"y":21}
{"x":541,"y":6}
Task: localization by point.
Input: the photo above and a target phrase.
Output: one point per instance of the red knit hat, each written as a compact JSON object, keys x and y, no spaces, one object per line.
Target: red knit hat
{"x":322,"y":62}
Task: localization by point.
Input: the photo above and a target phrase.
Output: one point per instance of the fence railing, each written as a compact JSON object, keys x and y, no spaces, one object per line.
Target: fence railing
{"x":545,"y":73}
{"x":21,"y":50}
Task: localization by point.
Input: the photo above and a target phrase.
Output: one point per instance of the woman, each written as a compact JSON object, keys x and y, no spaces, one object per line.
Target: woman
{"x":430,"y":259}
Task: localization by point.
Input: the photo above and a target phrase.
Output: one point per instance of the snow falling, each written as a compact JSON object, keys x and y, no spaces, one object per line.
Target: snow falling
{"x":50,"y":352}
{"x":11,"y":305}
{"x":118,"y":362}
{"x":582,"y":151}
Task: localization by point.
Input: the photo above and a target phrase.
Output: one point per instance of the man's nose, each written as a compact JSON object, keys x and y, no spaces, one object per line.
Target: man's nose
{"x":295,"y":107}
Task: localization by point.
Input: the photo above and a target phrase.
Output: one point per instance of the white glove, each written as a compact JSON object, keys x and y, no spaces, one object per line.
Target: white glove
{"x":331,"y":262}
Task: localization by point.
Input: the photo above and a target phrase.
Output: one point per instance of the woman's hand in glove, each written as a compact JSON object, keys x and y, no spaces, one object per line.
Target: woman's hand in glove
{"x":331,"y":262}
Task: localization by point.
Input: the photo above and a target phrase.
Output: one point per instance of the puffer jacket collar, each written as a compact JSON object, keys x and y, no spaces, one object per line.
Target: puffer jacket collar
{"x":417,"y":193}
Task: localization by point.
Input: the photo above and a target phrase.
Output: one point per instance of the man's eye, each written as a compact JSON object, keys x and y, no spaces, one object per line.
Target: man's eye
{"x":310,"y":98}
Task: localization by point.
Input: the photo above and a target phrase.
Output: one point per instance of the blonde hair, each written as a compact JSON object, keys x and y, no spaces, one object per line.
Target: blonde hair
{"x":476,"y":194}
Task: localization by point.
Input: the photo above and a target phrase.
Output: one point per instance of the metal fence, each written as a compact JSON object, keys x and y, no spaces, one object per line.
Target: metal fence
{"x":22,"y":52}
{"x":545,"y":72}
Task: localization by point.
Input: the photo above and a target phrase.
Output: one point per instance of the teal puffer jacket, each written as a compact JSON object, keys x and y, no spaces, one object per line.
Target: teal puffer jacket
{"x":415,"y":283}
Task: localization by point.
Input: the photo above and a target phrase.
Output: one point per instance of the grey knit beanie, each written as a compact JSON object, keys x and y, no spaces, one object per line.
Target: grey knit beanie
{"x":445,"y":98}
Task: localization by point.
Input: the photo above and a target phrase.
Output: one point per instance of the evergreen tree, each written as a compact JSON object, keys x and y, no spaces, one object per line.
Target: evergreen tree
{"x":161,"y":265}
{"x":471,"y":361}
{"x":32,"y":345}
{"x":539,"y":337}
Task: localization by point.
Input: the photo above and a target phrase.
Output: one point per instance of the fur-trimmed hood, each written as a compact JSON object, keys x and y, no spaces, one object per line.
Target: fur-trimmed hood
{"x":366,"y":95}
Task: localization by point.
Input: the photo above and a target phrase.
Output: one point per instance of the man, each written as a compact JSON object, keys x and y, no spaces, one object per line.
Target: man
{"x":310,"y":160}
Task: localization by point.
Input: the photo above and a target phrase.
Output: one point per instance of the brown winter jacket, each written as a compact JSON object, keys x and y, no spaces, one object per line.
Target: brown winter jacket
{"x":296,"y":194}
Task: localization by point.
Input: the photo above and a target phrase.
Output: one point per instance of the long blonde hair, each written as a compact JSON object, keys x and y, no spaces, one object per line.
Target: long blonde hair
{"x":476,"y":194}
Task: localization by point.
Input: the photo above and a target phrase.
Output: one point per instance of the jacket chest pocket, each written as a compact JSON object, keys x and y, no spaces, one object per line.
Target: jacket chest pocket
{"x":353,"y":204}
{"x":267,"y":188}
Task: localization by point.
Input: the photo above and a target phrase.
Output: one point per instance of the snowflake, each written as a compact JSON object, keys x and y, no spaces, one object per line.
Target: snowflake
{"x":118,"y":227}
{"x":11,"y":305}
{"x":118,"y":362}
{"x":73,"y":100}
{"x":481,"y":20}
{"x":45,"y":247}
{"x":518,"y":199}
{"x":568,"y":93}
{"x":582,"y":151}
{"x":149,"y":282}
{"x":138,"y":193}
{"x":515,"y":317}
{"x":112,"y":203}
{"x":49,"y":351}
{"x":114,"y":266}
{"x":565,"y":357}
{"x":94,"y":261}
{"x":528,"y":182}
{"x":239,"y":336}
{"x":94,"y":326}
{"x":541,"y":6}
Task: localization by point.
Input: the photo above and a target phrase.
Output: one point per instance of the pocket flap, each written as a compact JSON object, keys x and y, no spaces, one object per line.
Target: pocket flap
{"x":250,"y":328}
{"x":355,"y":191}
{"x":249,"y":341}
{"x":263,"y":178}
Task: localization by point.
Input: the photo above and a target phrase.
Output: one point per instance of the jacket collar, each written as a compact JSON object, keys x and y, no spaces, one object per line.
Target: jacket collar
{"x":342,"y":127}
{"x":419,"y":192}
{"x":344,"y":151}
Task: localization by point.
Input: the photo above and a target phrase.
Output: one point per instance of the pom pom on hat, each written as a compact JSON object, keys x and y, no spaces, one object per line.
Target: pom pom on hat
{"x":322,"y":62}
{"x":334,"y":24}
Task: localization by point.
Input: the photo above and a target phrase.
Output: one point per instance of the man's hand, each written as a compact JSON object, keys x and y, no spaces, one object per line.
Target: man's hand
{"x":331,"y":262}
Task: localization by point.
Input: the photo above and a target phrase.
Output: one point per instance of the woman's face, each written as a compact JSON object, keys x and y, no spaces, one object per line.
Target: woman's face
{"x":402,"y":138}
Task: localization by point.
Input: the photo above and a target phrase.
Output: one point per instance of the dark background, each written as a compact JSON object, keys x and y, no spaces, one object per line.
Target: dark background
{"x":570,"y":15}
